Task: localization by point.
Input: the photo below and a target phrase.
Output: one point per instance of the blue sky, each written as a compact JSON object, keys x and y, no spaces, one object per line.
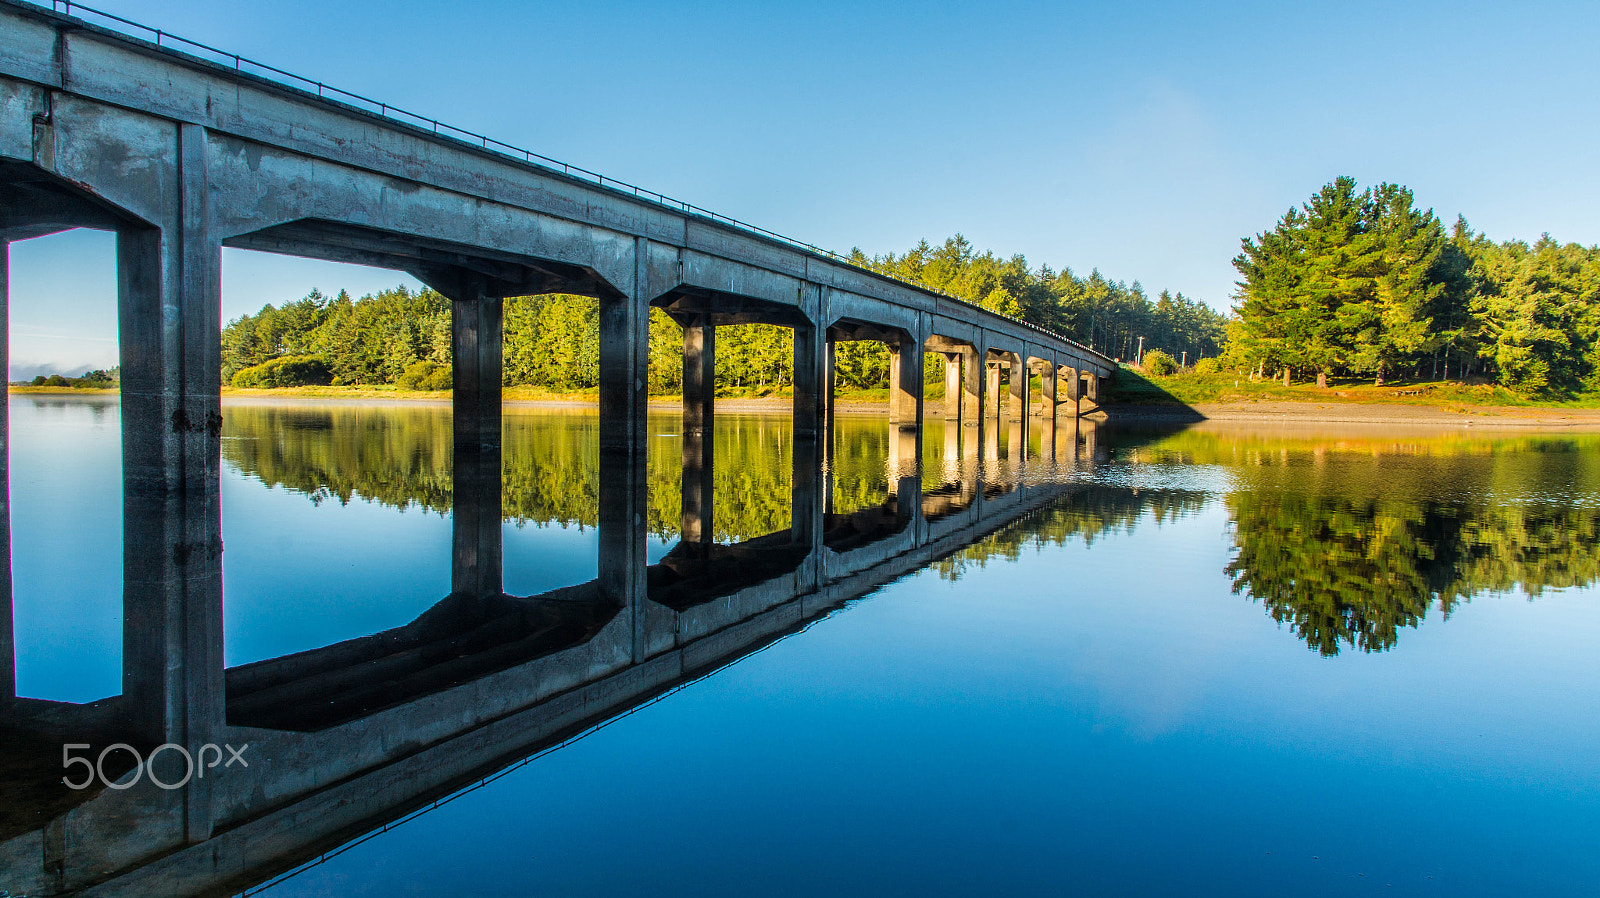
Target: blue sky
{"x":1142,"y":139}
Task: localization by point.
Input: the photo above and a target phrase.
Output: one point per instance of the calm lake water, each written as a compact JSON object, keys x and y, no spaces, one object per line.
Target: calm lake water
{"x":1222,"y":661}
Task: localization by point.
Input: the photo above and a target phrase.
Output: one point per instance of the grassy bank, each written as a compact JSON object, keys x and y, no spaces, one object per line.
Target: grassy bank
{"x":61,"y":391}
{"x":1132,"y":387}
{"x":511,"y":394}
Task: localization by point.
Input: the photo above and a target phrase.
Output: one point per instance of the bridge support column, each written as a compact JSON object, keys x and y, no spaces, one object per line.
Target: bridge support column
{"x":476,"y":340}
{"x":905,"y":460}
{"x":828,"y":435}
{"x":1021,"y":378}
{"x":830,"y":369}
{"x":992,"y":389}
{"x":699,"y":424}
{"x":972,"y":405}
{"x":1048,"y":375}
{"x":169,"y":317}
{"x":1047,"y":390}
{"x":1075,"y":390}
{"x":810,"y":379}
{"x":952,"y":386}
{"x":1094,"y":388}
{"x":624,"y":366}
{"x":475,"y":524}
{"x":905,"y":384}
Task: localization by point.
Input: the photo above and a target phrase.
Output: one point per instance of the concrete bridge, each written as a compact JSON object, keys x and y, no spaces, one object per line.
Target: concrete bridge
{"x":181,"y":156}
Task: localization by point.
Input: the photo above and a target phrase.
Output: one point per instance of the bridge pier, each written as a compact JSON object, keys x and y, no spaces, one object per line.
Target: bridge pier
{"x":972,"y":404}
{"x":1047,"y":389}
{"x":699,"y":431}
{"x":952,"y":386}
{"x":1052,"y":395}
{"x":169,"y":311}
{"x":624,"y":366}
{"x":1019,"y":384}
{"x":1021,"y":378}
{"x":992,"y":389}
{"x":828,"y":433}
{"x":905,"y":384}
{"x":476,"y":337}
{"x":810,"y":417}
{"x":1075,"y":390}
{"x":830,"y":369}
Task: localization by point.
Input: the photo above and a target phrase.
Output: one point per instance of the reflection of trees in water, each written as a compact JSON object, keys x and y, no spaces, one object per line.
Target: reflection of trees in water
{"x":1352,"y":572}
{"x":1345,"y":541}
{"x":401,"y":457}
{"x":1085,"y":514}
{"x":398,"y":457}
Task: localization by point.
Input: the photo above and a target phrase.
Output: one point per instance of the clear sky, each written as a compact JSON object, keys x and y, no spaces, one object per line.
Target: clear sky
{"x":1145,"y":139}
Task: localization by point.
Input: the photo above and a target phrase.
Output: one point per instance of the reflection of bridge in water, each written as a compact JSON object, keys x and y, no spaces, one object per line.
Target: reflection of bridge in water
{"x":181,"y":157}
{"x":353,"y":735}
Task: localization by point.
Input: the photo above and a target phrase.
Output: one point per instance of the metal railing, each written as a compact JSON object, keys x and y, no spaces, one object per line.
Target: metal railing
{"x":169,"y":41}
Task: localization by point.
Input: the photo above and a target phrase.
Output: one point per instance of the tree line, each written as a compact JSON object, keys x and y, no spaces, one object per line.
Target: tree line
{"x":1364,"y":283}
{"x":402,"y":336}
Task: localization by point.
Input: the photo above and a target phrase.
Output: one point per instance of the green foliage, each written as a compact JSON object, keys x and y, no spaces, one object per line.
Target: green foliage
{"x":285,"y":371}
{"x":97,"y":379}
{"x":1347,"y":283}
{"x":425,"y":374}
{"x":553,"y":341}
{"x":1208,"y":366}
{"x":1159,"y":363}
{"x":1106,"y":316}
{"x":1364,"y":283}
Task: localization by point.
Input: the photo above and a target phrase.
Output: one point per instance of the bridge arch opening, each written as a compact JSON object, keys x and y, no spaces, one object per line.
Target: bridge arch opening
{"x":61,"y":498}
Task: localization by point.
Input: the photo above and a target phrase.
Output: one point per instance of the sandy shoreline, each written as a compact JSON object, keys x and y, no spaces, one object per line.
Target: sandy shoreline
{"x":1481,"y":417}
{"x":1244,"y":412}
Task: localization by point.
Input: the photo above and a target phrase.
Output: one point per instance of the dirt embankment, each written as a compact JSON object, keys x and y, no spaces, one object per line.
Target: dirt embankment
{"x":1488,"y":417}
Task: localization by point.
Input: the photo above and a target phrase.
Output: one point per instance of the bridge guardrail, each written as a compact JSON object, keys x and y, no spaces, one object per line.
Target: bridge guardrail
{"x":444,"y":129}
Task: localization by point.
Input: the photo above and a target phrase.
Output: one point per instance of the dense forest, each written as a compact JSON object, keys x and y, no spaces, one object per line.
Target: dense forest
{"x":552,"y":341}
{"x":1354,"y":283}
{"x":1363,"y":283}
